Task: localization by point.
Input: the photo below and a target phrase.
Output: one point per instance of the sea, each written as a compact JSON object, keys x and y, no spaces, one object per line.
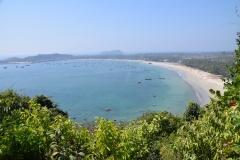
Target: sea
{"x":114,"y":89}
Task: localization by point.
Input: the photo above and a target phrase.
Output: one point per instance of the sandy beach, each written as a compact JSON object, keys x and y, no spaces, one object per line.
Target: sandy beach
{"x":200,"y":81}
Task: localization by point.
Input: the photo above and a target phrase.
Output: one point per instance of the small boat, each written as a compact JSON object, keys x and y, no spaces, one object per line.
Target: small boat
{"x":4,"y":67}
{"x":153,"y":104}
{"x":107,"y":109}
{"x":148,"y":79}
{"x":139,"y":82}
{"x":154,"y":95}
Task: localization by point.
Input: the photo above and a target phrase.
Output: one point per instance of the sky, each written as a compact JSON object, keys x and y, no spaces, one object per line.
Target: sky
{"x":133,"y":26}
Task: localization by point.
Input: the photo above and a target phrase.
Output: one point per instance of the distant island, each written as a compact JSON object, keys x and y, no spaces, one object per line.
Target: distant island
{"x":39,"y":58}
{"x":59,"y":57}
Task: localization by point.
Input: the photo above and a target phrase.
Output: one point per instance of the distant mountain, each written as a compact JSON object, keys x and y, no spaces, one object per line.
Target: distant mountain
{"x":48,"y":57}
{"x":14,"y":59}
{"x":113,"y":52}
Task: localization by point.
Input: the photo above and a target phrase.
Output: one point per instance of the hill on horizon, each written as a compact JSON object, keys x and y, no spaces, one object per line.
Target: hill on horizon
{"x":111,"y":52}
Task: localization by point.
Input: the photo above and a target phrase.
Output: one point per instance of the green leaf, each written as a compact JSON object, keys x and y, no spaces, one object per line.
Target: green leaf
{"x":55,"y":153}
{"x":238,"y":78}
{"x":43,"y":139}
{"x":81,"y":154}
{"x":235,"y":116}
{"x":54,"y":146}
{"x":237,"y":84}
{"x":227,"y":93}
{"x":211,"y":91}
{"x":218,"y":93}
{"x":27,"y":120}
{"x":236,"y":123}
{"x":71,"y":157}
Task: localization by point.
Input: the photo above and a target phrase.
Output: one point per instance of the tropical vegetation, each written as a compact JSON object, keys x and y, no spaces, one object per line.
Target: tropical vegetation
{"x":209,"y":65}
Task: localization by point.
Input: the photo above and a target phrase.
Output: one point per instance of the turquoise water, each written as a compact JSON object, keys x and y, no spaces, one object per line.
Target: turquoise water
{"x":85,"y":88}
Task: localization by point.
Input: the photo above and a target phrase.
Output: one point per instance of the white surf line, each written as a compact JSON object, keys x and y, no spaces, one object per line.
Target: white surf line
{"x":179,"y":73}
{"x":182,"y":77}
{"x":199,"y":98}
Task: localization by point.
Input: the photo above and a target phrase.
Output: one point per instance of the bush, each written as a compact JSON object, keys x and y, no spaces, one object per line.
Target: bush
{"x":192,"y":112}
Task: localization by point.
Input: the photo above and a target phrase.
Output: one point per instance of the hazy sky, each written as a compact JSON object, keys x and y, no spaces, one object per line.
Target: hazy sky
{"x":29,"y":27}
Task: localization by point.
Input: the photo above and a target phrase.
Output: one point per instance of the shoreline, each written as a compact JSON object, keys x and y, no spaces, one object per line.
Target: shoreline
{"x":199,"y":80}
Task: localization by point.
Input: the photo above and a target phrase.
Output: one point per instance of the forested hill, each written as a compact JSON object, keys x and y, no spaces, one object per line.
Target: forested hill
{"x":113,"y":52}
{"x":39,"y":58}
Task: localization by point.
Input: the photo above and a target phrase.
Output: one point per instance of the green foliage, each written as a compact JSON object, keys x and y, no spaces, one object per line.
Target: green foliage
{"x":214,"y":66}
{"x":48,"y":102}
{"x":203,"y":137}
{"x":110,"y":142}
{"x":156,"y":128}
{"x":31,"y":134}
{"x":44,"y":101}
{"x":192,"y":112}
{"x":147,"y":116}
{"x":68,"y":139}
{"x":232,"y":98}
{"x":167,"y":148}
{"x":207,"y":137}
{"x":10,"y":101}
{"x":232,"y":149}
{"x":106,"y":140}
{"x":23,"y":134}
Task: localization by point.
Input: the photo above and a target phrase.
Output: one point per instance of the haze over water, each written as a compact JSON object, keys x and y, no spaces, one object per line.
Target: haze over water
{"x":85,"y":88}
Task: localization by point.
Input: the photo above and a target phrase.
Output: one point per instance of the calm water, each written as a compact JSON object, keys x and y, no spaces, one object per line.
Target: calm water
{"x":85,"y":88}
